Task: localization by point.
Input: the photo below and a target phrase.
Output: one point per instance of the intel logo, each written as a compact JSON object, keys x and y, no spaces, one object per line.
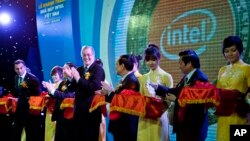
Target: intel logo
{"x":189,"y":35}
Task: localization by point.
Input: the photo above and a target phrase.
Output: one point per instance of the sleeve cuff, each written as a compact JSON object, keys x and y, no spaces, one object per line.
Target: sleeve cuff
{"x":52,"y":92}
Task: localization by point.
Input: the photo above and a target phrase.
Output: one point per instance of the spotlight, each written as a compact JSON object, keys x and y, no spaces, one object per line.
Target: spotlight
{"x":5,"y":18}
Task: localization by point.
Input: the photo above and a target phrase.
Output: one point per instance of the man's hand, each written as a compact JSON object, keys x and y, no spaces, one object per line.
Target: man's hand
{"x":106,"y":87}
{"x":101,"y":92}
{"x":75,"y":74}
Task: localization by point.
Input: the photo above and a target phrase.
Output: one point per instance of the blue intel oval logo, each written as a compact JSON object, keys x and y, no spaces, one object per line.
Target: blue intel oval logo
{"x":187,"y":35}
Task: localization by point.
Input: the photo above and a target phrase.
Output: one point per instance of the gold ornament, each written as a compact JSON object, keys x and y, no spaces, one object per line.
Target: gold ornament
{"x":87,"y":75}
{"x":24,"y":84}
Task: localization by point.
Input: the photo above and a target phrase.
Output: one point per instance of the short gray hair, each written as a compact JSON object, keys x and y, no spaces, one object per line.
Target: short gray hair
{"x":85,"y":47}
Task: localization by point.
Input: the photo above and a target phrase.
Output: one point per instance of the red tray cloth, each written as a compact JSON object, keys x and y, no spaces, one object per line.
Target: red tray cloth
{"x":130,"y":102}
{"x":37,"y":103}
{"x":232,"y":101}
{"x":6,"y":104}
{"x":50,"y":103}
{"x":67,"y":106}
{"x":154,"y":107}
{"x":98,"y":101}
{"x":200,"y":93}
{"x":13,"y":103}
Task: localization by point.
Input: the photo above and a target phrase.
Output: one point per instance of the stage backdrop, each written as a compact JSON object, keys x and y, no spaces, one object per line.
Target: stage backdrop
{"x":115,"y":27}
{"x":59,"y":41}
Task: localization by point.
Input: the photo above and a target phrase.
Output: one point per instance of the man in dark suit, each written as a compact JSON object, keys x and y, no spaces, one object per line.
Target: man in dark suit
{"x":27,"y":85}
{"x":88,"y":79}
{"x":123,"y":128}
{"x":190,"y":122}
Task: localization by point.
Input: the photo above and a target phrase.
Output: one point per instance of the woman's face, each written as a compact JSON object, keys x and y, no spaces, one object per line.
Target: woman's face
{"x":152,"y":63}
{"x":56,"y":78}
{"x":232,"y":54}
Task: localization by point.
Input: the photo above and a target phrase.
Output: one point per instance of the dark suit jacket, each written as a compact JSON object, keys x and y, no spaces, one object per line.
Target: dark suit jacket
{"x":87,"y":124}
{"x":64,"y":90}
{"x":86,"y":87}
{"x":195,"y":122}
{"x":127,"y":124}
{"x":23,"y":93}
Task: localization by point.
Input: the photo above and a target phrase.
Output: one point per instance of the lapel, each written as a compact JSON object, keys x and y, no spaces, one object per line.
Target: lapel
{"x":181,"y":83}
{"x":90,"y":69}
{"x":126,"y":79}
{"x":122,"y":84}
{"x":192,"y":78}
{"x":16,"y":81}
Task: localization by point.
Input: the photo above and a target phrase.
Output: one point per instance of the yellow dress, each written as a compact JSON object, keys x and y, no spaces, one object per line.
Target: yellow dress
{"x":148,"y":129}
{"x":50,"y":126}
{"x":231,"y":77}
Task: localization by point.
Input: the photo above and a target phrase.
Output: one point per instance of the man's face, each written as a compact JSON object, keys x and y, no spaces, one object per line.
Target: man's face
{"x":184,"y":68}
{"x":118,"y":68}
{"x":87,"y":56}
{"x":20,"y":69}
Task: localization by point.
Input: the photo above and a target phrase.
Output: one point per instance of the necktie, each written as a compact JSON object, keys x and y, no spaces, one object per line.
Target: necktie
{"x":182,"y":82}
{"x":185,"y":81}
{"x":85,"y":68}
{"x":20,"y":79}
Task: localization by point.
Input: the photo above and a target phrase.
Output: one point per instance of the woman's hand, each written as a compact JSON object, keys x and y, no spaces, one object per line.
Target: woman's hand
{"x":171,"y":97}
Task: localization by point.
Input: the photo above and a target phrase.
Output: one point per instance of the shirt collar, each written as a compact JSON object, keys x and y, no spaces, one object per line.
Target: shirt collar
{"x":188,"y":76}
{"x":124,"y":76}
{"x":88,"y":66}
{"x":23,"y":75}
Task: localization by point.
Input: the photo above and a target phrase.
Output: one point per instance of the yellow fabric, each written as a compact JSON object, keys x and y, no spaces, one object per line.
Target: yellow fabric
{"x":231,"y":77}
{"x":23,"y":136}
{"x":50,"y":127}
{"x":148,"y":129}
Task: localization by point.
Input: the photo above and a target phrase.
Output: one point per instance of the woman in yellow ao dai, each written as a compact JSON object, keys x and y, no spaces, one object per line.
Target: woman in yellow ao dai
{"x":234,"y":76}
{"x":57,"y":77}
{"x":150,"y":129}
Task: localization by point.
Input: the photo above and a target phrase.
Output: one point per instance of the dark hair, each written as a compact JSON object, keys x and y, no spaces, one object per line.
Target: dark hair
{"x":19,"y":61}
{"x":127,"y":60}
{"x":99,"y":62}
{"x":70,"y":65}
{"x":58,"y":70}
{"x":136,"y":59}
{"x":190,"y":56}
{"x":232,"y":40}
{"x":152,"y":53}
